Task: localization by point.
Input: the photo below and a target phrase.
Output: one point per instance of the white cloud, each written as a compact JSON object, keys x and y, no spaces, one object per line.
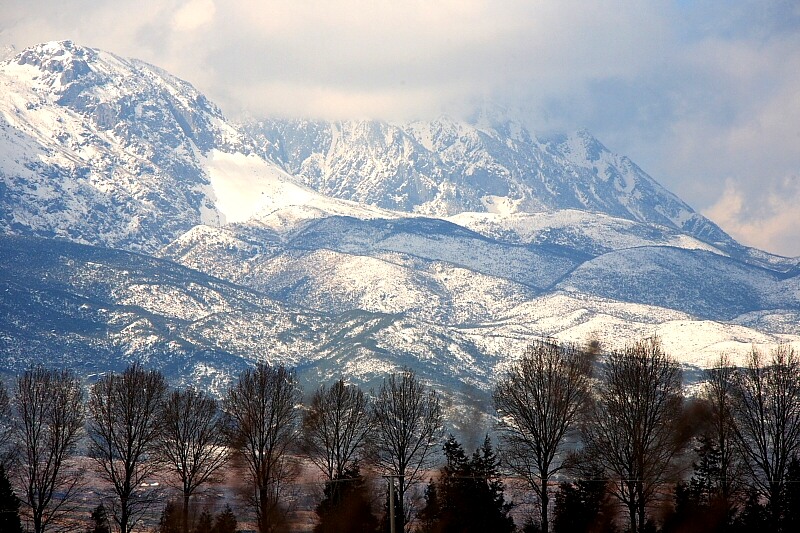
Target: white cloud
{"x":193,"y":15}
{"x":768,"y":221}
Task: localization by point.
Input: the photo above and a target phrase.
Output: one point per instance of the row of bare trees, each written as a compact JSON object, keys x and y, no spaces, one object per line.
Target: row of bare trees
{"x":563,"y":411}
{"x":133,"y":430}
{"x":629,"y":422}
{"x":137,"y":431}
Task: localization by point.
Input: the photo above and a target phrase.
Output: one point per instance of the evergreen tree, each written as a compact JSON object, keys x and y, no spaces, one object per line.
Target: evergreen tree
{"x":702,"y":504}
{"x":791,"y":498}
{"x":171,"y":519}
{"x":205,"y":522}
{"x":754,"y":515}
{"x":346,"y":506}
{"x":583,"y":506}
{"x":469,"y":494}
{"x":100,"y":520}
{"x":430,"y":514}
{"x":9,"y":506}
{"x":225,"y":522}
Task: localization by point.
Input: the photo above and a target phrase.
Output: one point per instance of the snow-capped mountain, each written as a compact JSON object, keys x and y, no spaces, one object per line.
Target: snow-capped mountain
{"x":136,"y":222}
{"x":95,"y":309}
{"x":105,"y":150}
{"x":445,"y":167}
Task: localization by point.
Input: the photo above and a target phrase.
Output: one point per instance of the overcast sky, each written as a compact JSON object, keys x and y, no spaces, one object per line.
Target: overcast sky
{"x":704,"y":95}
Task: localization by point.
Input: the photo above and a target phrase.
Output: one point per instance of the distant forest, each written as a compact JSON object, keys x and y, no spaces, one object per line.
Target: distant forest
{"x":599,"y":442}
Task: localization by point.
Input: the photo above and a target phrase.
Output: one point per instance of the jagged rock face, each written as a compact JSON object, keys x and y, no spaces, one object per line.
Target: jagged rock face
{"x":445,"y":167}
{"x":104,"y":150}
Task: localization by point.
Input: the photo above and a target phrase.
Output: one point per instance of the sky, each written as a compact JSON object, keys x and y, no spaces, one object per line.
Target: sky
{"x":703,"y":95}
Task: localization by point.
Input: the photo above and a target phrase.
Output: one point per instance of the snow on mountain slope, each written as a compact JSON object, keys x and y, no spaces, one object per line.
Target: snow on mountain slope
{"x":782,"y":321}
{"x":99,"y":149}
{"x":416,"y":241}
{"x":388,"y":282}
{"x":578,"y":317}
{"x":695,"y":281}
{"x":343,"y":268}
{"x":95,"y":309}
{"x":104,"y":150}
{"x":593,"y":233}
{"x":438,"y":240}
{"x":340,"y":263}
{"x":445,"y":167}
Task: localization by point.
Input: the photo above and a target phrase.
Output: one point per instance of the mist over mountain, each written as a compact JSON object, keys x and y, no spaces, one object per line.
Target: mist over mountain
{"x":138,"y":223}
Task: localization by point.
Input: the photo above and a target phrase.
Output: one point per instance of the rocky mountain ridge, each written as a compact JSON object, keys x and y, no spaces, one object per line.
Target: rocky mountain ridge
{"x":445,"y":167}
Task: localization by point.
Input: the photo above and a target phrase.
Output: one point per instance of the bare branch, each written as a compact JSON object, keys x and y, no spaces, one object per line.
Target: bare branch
{"x":261,"y":409}
{"x":408,"y":424}
{"x":192,"y":442}
{"x":631,"y":430}
{"x":49,"y":410}
{"x":766,"y":409}
{"x":124,"y":425}
{"x":538,"y":401}
{"x":336,"y":427}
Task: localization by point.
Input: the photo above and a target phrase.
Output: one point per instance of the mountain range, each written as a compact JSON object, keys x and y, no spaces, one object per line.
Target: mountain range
{"x":138,"y":223}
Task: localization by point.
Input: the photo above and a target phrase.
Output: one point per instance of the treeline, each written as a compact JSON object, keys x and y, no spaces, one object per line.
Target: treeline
{"x":604,"y":443}
{"x":136,"y":430}
{"x":620,"y":444}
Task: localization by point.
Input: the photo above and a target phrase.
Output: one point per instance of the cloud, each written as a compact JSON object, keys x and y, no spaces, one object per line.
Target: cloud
{"x":451,"y":49}
{"x":193,"y":15}
{"x":768,"y":221}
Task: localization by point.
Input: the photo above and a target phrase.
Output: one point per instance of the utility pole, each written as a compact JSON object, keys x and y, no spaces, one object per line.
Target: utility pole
{"x":390,"y":478}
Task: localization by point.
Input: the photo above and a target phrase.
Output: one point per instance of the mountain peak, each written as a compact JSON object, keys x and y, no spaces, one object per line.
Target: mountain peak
{"x":583,"y":146}
{"x":107,"y":150}
{"x":494,"y":117}
{"x":63,"y":58}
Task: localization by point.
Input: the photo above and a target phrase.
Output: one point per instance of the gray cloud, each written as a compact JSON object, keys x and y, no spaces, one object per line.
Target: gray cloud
{"x":704,"y":95}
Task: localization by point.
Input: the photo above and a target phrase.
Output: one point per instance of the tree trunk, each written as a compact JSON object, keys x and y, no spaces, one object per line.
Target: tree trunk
{"x":641,"y":516}
{"x":632,"y":506}
{"x":263,"y":504}
{"x":640,"y":504}
{"x":545,"y":498}
{"x":123,"y":516}
{"x":401,"y":507}
{"x":632,"y":514}
{"x":775,"y":497}
{"x":185,"y":513}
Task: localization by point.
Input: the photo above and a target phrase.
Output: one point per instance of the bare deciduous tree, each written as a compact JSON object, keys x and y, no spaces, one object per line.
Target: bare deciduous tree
{"x":335,"y":428}
{"x":262,"y":425}
{"x":408,"y":428}
{"x":766,"y":408}
{"x":539,"y":400}
{"x":718,"y":395}
{"x":5,"y":427}
{"x":124,"y":425}
{"x":631,"y":430}
{"x":192,"y":442}
{"x":49,"y":410}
